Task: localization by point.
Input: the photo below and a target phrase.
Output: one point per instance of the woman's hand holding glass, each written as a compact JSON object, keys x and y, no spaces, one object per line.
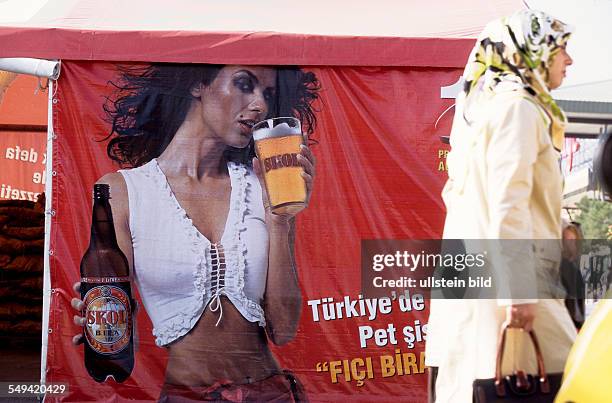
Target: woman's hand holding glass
{"x":307,"y":161}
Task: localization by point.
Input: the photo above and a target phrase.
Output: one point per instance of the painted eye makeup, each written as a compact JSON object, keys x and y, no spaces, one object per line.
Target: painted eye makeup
{"x":269,"y":94}
{"x":244,"y":83}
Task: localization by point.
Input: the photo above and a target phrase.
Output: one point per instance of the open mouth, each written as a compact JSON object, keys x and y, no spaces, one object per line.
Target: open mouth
{"x":247,"y":125}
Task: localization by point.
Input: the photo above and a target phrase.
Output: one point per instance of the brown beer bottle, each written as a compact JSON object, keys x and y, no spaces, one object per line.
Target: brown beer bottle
{"x":106,"y":293}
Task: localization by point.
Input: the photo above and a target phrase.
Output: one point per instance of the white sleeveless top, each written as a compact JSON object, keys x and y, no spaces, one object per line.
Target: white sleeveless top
{"x":177,"y":270}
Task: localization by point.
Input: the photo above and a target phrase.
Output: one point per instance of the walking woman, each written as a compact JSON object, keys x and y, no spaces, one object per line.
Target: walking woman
{"x":505,"y":183}
{"x":213,"y":264}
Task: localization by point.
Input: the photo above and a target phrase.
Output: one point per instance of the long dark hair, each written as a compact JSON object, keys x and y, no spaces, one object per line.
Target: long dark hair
{"x":151,"y":102}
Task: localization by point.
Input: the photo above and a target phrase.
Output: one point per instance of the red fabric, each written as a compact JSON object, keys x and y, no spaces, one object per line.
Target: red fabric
{"x":22,"y":165}
{"x":379,"y":175}
{"x":570,"y":148}
{"x":253,"y":48}
{"x":22,"y":104}
{"x":22,"y":150}
{"x":315,"y":32}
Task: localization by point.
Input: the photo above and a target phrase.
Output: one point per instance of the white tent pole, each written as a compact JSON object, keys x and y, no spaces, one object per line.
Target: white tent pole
{"x":49,"y":213}
{"x":34,"y":67}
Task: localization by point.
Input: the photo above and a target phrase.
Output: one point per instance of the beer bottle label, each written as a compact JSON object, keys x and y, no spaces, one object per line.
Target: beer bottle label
{"x":108,"y":316}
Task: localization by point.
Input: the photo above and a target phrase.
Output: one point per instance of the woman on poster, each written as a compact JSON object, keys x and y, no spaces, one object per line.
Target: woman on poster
{"x":213,"y":264}
{"x":505,"y":184}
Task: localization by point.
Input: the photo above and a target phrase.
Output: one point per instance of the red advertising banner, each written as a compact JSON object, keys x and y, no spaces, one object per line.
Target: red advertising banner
{"x":22,"y":165}
{"x":220,"y":313}
{"x":22,"y":103}
{"x":23,"y":140}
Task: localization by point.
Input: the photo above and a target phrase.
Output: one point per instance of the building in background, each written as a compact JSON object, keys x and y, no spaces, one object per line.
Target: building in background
{"x":588,"y":120}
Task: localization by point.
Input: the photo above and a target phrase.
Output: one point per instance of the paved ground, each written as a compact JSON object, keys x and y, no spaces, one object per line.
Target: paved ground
{"x":19,"y":361}
{"x":19,"y":365}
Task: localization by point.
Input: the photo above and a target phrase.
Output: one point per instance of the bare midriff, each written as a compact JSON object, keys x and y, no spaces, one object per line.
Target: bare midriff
{"x":235,"y":350}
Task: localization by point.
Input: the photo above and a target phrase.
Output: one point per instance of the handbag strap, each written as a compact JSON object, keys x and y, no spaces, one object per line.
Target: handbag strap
{"x":499,"y":384}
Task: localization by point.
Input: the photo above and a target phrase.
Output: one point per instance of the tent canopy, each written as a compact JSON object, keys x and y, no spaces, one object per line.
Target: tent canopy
{"x":315,"y":32}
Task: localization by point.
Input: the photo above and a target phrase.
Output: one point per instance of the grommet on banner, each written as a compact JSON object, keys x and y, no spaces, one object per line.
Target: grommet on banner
{"x":51,"y":252}
{"x":54,"y":173}
{"x":54,"y":136}
{"x":55,"y":100}
{"x":50,"y":330}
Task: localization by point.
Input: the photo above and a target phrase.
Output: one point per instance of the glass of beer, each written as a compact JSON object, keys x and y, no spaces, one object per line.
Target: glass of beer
{"x":277,"y":145}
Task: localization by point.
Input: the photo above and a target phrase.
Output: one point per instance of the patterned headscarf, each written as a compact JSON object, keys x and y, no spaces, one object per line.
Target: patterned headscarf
{"x":514,"y":53}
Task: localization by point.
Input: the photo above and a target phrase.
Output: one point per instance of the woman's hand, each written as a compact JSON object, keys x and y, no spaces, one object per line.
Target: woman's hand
{"x":78,"y":319}
{"x":521,"y":316}
{"x":308,"y":163}
{"x":283,"y":299}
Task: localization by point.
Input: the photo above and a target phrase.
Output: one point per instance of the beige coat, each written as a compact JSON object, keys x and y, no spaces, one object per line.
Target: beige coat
{"x":504,"y":183}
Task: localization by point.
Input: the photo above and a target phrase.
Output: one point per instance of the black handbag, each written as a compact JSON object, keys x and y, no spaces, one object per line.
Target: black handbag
{"x":518,"y":387}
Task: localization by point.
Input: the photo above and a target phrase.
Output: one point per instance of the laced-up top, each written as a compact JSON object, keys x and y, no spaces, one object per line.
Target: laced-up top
{"x":178,"y":271}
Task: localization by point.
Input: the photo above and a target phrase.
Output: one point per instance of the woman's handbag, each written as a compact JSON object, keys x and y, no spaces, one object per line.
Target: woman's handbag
{"x":519,"y":387}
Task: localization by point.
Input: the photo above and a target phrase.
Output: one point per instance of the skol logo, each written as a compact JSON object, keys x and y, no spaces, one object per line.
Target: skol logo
{"x":281,"y":161}
{"x":108,"y":325}
{"x":106,"y":317}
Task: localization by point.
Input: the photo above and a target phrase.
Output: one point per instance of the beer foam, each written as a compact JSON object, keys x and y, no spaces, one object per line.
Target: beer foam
{"x":280,"y":130}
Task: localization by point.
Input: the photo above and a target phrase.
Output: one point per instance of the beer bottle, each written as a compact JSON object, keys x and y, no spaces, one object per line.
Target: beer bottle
{"x":106,"y":293}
